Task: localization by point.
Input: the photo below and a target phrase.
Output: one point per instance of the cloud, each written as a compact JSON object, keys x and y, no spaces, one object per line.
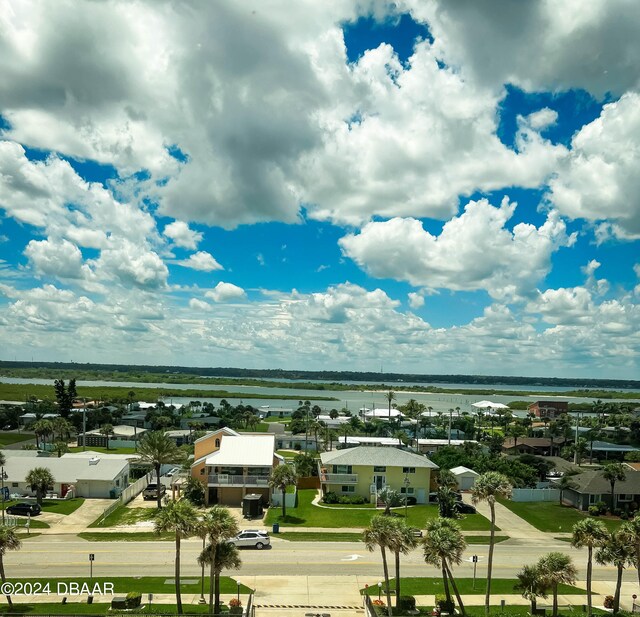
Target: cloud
{"x":225,"y":292}
{"x":599,"y":179}
{"x":474,"y":251}
{"x":202,"y":261}
{"x":182,"y":236}
{"x":61,"y":259}
{"x":416,"y":300}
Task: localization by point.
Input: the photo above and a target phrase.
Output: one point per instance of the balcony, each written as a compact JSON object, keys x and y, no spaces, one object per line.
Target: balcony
{"x":229,"y":480}
{"x":339,"y":478}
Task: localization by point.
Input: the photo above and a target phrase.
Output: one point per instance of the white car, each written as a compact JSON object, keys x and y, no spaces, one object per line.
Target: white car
{"x":172,"y":472}
{"x":252,"y":537}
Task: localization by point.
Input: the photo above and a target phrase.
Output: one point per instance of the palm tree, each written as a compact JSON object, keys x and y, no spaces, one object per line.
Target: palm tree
{"x":157,"y":449}
{"x":615,"y":551}
{"x":487,"y":487}
{"x":446,"y":478}
{"x":179,"y":517}
{"x":590,"y":533}
{"x":60,"y":447}
{"x":380,"y":534}
{"x":9,"y":541}
{"x":531,"y":585}
{"x":443,"y":545}
{"x":218,"y":525}
{"x":106,"y":430}
{"x":562,"y":485}
{"x":390,"y":396}
{"x":281,"y":477}
{"x":390,"y":498}
{"x":401,"y":542}
{"x":612,"y":473}
{"x":39,"y":480}
{"x":630,"y":534}
{"x":555,"y":569}
{"x":223,"y":556}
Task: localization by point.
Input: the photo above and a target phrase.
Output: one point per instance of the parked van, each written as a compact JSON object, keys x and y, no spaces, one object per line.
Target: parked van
{"x":151,"y":492}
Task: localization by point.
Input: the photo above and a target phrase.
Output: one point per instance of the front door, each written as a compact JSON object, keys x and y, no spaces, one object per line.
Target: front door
{"x":380,"y":482}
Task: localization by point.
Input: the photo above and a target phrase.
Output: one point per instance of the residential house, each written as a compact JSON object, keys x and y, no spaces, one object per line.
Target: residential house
{"x":429,"y":446}
{"x":381,"y":414}
{"x":366,"y":470}
{"x":231,"y":465}
{"x":123,"y":436}
{"x":180,"y":436}
{"x":548,"y":409}
{"x":589,"y":487}
{"x":287,"y":441}
{"x":355,"y":441}
{"x":466,"y":477}
{"x":543,"y":446}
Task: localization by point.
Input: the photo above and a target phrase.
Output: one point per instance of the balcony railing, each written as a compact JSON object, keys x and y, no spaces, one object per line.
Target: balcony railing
{"x":339,"y":478}
{"x":229,"y":480}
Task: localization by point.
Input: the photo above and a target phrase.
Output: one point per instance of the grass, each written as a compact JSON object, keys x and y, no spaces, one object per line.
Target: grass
{"x":82,"y":608}
{"x":484,"y":539}
{"x":288,"y":454}
{"x":104,"y":450}
{"x":318,"y":536}
{"x":308,"y":515}
{"x":34,"y":524}
{"x":57,"y":506}
{"x":9,"y":438}
{"x":144,"y":584}
{"x":496,"y":611}
{"x":125,"y":516}
{"x":430,"y":586}
{"x":551,"y":516}
{"x":124,"y":536}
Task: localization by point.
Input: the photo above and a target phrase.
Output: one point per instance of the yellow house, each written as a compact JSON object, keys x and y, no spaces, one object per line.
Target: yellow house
{"x":230,"y":465}
{"x":365,"y":470}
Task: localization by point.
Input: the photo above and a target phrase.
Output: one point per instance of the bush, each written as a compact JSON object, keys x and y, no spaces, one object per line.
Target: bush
{"x":194,"y":492}
{"x":134,"y":599}
{"x":411,"y":501}
{"x":352,"y":499}
{"x":625,"y":515}
{"x":617,"y":512}
{"x":608,"y":602}
{"x":407,"y":603}
{"x":330,"y":497}
{"x":602,"y":507}
{"x":594,"y":510}
{"x":235,"y":606}
{"x":445,"y":605}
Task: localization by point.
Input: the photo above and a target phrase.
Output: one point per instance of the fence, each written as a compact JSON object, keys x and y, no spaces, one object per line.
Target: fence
{"x":126,"y":496}
{"x":250,"y":609}
{"x":535,"y":494}
{"x":291,"y":499}
{"x":369,"y":609}
{"x":635,"y":607}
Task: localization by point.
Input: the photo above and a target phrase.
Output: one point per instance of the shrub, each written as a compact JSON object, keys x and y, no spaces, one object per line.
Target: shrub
{"x":624,"y":515}
{"x":330,"y":497}
{"x":594,"y":510}
{"x":194,"y":492}
{"x":602,"y":507}
{"x":445,"y":605}
{"x":411,"y":501}
{"x":378,"y":602}
{"x":235,"y":606}
{"x":407,"y":603}
{"x":617,"y":512}
{"x":608,"y":601}
{"x":633,"y":506}
{"x":351,"y":499}
{"x":134,"y":599}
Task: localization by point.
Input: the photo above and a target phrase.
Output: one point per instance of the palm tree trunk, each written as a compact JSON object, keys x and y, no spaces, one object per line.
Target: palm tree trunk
{"x":487,"y":596}
{"x":554,"y":612}
{"x":589,"y":574}
{"x":638,"y":561}
{"x":216,"y":607}
{"x":158,"y":498}
{"x":616,"y":597}
{"x":397,"y":556}
{"x":385,"y":569}
{"x":455,"y":589}
{"x":177,"y":575}
{"x":445,"y":582}
{"x":4,"y":580}
{"x":212,"y":574}
{"x":534,"y":605}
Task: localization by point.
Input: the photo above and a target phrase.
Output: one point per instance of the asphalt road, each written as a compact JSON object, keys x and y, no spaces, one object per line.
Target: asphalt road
{"x":68,"y":556}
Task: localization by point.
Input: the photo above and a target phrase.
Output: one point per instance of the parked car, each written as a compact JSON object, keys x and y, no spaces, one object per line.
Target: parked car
{"x":151,"y":492}
{"x":23,"y":509}
{"x":465,"y":508}
{"x":172,"y":472}
{"x":252,"y":537}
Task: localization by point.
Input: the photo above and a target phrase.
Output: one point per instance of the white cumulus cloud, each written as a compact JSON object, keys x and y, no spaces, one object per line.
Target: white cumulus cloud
{"x":182,"y":235}
{"x":225,"y":292}
{"x":202,"y":261}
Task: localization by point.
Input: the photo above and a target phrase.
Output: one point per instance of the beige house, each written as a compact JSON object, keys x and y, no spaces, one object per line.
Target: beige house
{"x":232,"y":465}
{"x":365,"y":470}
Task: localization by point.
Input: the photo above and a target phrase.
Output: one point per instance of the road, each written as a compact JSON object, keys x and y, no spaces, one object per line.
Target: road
{"x":67,"y":556}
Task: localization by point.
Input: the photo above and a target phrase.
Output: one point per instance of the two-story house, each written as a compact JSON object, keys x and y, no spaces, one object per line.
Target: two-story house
{"x":231,"y":465}
{"x":366,"y":470}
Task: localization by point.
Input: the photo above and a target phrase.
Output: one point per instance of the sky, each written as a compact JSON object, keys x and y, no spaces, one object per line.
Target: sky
{"x":421,"y":186}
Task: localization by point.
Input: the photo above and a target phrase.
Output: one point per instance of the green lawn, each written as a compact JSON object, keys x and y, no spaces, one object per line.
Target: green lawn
{"x":82,"y":608}
{"x":104,"y":450}
{"x":484,"y":539}
{"x":288,"y":454}
{"x":308,"y":515}
{"x":34,"y":524}
{"x":319,"y":536}
{"x":125,"y":516}
{"x":551,"y":516}
{"x":124,"y":536}
{"x":430,"y":586}
{"x":9,"y":438}
{"x":58,"y":506}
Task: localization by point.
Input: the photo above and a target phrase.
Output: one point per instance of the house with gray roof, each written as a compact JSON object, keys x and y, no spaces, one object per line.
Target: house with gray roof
{"x":589,"y":487}
{"x":365,"y":470}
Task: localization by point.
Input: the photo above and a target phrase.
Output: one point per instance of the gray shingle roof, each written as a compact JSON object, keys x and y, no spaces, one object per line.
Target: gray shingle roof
{"x":373,"y":455}
{"x":592,"y":483}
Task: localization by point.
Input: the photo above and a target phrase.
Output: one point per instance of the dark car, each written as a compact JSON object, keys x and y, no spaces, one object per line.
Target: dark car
{"x":24,"y":508}
{"x":465,"y":508}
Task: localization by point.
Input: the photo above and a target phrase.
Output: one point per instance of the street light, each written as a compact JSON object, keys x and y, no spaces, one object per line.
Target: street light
{"x":379,"y":590}
{"x":406,"y":483}
{"x":238,"y":584}
{"x":4,"y":476}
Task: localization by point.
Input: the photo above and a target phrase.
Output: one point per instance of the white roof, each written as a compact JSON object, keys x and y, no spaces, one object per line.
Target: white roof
{"x":65,"y":470}
{"x":244,"y":451}
{"x":444,"y":442}
{"x":382,"y":413}
{"x":338,"y":420}
{"x":123,"y":430}
{"x":461,"y":470}
{"x":383,"y":441}
{"x":101,"y":455}
{"x":143,"y":405}
{"x":489,"y":405}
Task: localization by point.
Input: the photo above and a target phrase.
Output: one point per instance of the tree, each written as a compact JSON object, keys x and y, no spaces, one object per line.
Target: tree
{"x":616,"y":552}
{"x":193,"y":491}
{"x":612,"y":473}
{"x":180,"y":518}
{"x":106,"y":430}
{"x":224,"y":556}
{"x":156,"y":449}
{"x":282,"y":476}
{"x":446,"y":478}
{"x":60,"y":447}
{"x":531,"y":585}
{"x":379,"y":534}
{"x":629,"y":532}
{"x":591,"y":533}
{"x":447,"y":502}
{"x":304,"y":463}
{"x":390,"y":498}
{"x":42,"y":429}
{"x":390,"y":396}
{"x":39,"y":479}
{"x":401,"y":542}
{"x":444,"y":545}
{"x":555,"y":569}
{"x":218,"y":525}
{"x":9,"y":541}
{"x":65,"y":396}
{"x":487,"y":487}
{"x":562,"y":485}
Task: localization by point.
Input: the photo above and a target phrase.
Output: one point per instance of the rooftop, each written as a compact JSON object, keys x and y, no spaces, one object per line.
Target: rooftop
{"x":244,"y":451}
{"x":371,"y":455}
{"x":66,"y":470}
{"x":592,"y":482}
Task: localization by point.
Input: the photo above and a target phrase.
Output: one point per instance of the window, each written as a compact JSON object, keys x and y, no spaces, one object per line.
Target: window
{"x":342,"y":469}
{"x":594,"y":499}
{"x":348,"y":489}
{"x":117,"y":482}
{"x":379,"y":469}
{"x":202,"y":471}
{"x":625,"y":497}
{"x":408,"y":470}
{"x":14,"y":484}
{"x":217,"y":443}
{"x":406,"y":490}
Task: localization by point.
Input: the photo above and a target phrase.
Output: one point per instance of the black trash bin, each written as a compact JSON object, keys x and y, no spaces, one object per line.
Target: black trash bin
{"x":252,"y":506}
{"x":276,"y":528}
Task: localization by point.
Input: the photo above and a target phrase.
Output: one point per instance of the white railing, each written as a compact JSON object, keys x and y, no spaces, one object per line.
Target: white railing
{"x":340,"y":478}
{"x":229,"y":480}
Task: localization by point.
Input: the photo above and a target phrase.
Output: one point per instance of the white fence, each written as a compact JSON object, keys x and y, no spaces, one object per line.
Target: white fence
{"x":535,"y":494}
{"x":291,"y":499}
{"x":127,"y":494}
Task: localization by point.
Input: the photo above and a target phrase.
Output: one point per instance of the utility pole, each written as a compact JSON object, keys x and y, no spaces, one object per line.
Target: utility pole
{"x":450,"y":414}
{"x":575,"y":445}
{"x":84,"y":424}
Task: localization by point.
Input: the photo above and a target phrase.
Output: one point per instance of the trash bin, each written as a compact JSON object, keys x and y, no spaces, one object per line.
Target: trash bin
{"x":276,"y":528}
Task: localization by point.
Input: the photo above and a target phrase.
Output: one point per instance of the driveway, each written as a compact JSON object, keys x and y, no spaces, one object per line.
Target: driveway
{"x":76,"y":521}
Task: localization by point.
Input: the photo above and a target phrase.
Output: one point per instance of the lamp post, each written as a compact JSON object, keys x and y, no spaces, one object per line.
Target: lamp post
{"x":238,"y":596}
{"x":4,"y":477}
{"x":406,"y":483}
{"x":379,"y":591}
{"x":202,"y":600}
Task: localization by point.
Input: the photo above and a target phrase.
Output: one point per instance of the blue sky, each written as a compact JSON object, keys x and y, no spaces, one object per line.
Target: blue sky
{"x":322,"y":187}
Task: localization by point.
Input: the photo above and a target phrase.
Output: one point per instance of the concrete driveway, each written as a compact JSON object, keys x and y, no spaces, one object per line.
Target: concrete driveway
{"x":76,"y":521}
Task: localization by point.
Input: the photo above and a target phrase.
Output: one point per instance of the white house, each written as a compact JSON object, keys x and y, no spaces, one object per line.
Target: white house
{"x":382,"y":414}
{"x":466,"y":477}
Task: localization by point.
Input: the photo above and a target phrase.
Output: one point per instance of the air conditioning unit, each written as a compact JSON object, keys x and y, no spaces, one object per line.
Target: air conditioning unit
{"x":94,"y":461}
